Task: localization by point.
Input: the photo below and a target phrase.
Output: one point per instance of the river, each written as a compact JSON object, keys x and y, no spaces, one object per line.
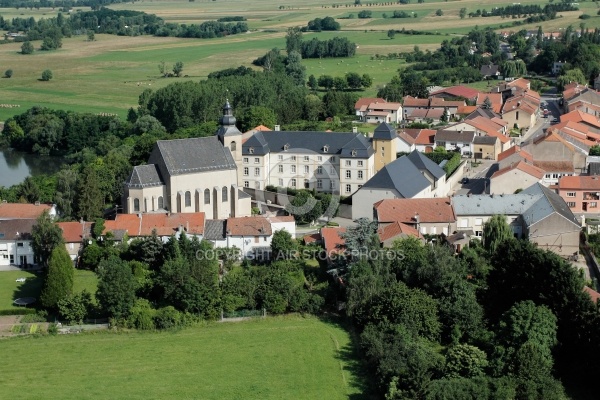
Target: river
{"x":16,"y":166}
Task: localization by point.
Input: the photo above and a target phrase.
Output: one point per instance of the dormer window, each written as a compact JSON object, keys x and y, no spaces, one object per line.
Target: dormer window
{"x":326,"y":148}
{"x":353,"y":153}
{"x":286,"y":147}
{"x":251,"y":150}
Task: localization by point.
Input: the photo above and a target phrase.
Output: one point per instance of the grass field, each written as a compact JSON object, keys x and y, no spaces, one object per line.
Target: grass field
{"x":107,"y":75}
{"x":10,"y":289}
{"x":276,"y":358}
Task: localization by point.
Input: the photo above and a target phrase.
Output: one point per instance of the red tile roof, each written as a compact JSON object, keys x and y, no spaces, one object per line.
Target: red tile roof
{"x":405,"y":210}
{"x":495,"y":98}
{"x":332,"y":241}
{"x":419,"y":136}
{"x":164,"y":223}
{"x":75,"y":232}
{"x":281,"y":218}
{"x":397,"y":229}
{"x":552,"y":136}
{"x":440,"y":102}
{"x":384,"y":106}
{"x":466,"y":109}
{"x":579,"y":183}
{"x":593,"y":294}
{"x":365,"y":101}
{"x":249,"y":226}
{"x":312,"y":238}
{"x":580,"y":116}
{"x":521,"y":166}
{"x":22,"y":211}
{"x":410,"y":101}
{"x":515,"y":150}
{"x":555,"y":166}
{"x":520,"y":83}
{"x":458,"y":91}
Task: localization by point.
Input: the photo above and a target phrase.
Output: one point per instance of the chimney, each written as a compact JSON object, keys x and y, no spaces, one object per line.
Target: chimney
{"x":277,"y":128}
{"x":417,"y":218}
{"x":354,"y":129}
{"x":37,"y":203}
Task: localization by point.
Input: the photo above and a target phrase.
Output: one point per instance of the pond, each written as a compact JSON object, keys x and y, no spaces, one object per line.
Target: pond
{"x":16,"y":166}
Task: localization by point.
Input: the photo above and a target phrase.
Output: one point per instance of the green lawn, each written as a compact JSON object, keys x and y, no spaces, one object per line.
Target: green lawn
{"x":10,"y":289}
{"x":276,"y":358}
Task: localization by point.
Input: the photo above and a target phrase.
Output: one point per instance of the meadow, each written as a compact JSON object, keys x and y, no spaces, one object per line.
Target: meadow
{"x":10,"y":289}
{"x":108,"y":74}
{"x":274,"y":358}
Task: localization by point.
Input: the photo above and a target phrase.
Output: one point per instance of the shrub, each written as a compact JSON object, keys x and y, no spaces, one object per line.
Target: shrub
{"x":585,"y":16}
{"x":167,"y":318}
{"x":142,"y":315}
{"x":46,"y":75}
{"x":52,"y":329}
{"x":8,"y":73}
{"x":40,"y":316}
{"x":18,"y":311}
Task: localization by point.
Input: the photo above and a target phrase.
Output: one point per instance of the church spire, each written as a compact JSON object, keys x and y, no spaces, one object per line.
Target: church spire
{"x":227,"y":122}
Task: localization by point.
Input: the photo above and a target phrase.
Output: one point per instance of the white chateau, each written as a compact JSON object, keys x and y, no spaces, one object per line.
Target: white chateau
{"x":206,"y":174}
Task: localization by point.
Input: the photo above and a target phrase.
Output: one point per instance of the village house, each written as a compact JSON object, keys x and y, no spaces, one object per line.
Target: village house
{"x":24,"y":211}
{"x":75,"y":234}
{"x":451,"y":140}
{"x":15,"y":243}
{"x":515,"y":177}
{"x":378,"y":112}
{"x":361,"y":106}
{"x":422,"y":140}
{"x":456,"y":92}
{"x":581,"y":193}
{"x":433,"y":216}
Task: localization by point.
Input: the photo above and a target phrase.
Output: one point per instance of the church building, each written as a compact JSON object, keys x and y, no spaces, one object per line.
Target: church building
{"x":192,"y":175}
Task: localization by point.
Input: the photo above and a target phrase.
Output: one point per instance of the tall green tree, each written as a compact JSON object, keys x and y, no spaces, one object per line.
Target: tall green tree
{"x":26,"y":48}
{"x":45,"y":237}
{"x":58,"y":283}
{"x":29,"y":190}
{"x":91,"y":198}
{"x":282,"y":245}
{"x":293,"y":39}
{"x":294,"y":68}
{"x":66,"y":192}
{"x":495,"y":231}
{"x":116,"y":287}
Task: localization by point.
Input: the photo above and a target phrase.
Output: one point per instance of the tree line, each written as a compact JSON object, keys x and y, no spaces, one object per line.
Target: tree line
{"x":517,"y":10}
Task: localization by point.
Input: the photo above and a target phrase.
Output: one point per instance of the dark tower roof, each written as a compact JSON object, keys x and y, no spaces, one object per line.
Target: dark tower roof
{"x":227,"y":122}
{"x":384,"y":131}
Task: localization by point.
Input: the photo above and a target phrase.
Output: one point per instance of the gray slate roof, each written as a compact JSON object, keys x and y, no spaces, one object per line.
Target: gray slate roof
{"x":454,"y":136}
{"x":144,"y":176}
{"x":481,"y":112}
{"x":214,"y":229}
{"x":402,"y":176}
{"x":422,"y":162}
{"x":485,"y":140}
{"x":385,"y":131}
{"x":16,"y":229}
{"x":227,"y":122}
{"x":489,"y":70}
{"x":243,"y":195}
{"x":307,"y":142}
{"x":548,"y":203}
{"x":184,"y":156}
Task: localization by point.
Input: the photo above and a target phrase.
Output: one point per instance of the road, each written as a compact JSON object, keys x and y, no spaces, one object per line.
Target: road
{"x":478,"y":180}
{"x":542,"y":124}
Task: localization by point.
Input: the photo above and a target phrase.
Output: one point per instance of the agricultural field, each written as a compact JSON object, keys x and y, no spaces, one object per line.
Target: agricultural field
{"x":275,"y":358}
{"x":10,"y":289}
{"x":108,"y":74}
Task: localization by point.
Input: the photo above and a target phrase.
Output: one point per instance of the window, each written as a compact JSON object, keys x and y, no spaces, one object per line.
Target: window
{"x":464,"y":223}
{"x":246,"y":171}
{"x":348,"y":174}
{"x":433,"y":230}
{"x":593,"y":204}
{"x":306,"y":159}
{"x":478,"y":221}
{"x":325,"y":149}
{"x":348,"y":163}
{"x":256,"y":239}
{"x":479,"y":233}
{"x":245,"y":160}
{"x":319,"y":183}
{"x":348,"y":188}
{"x":256,"y":171}
{"x":360,"y":174}
{"x":293,"y":182}
{"x":136,"y":204}
{"x":257,"y":185}
{"x":306,"y":169}
{"x":293,"y":158}
{"x":286,"y":147}
{"x":161,"y":203}
{"x":256,"y":160}
{"x":331,"y":185}
{"x":332,"y":170}
{"x":555,"y":176}
{"x":233,"y":146}
{"x":571,"y":203}
{"x":280,"y":169}
{"x":293,"y":169}
{"x":332,"y":159}
{"x":206,"y":196}
{"x":251,"y":150}
{"x":20,"y":244}
{"x":453,"y":144}
{"x":246,"y":184}
{"x":360,"y":163}
{"x":306,"y":184}
{"x":517,"y":115}
{"x":319,"y":158}
{"x":188,"y":199}
{"x":224,"y":194}
{"x":280,"y":182}
{"x":570,"y":194}
{"x":280,"y":157}
{"x":319,"y":170}
{"x":353,"y":153}
{"x":424,"y":230}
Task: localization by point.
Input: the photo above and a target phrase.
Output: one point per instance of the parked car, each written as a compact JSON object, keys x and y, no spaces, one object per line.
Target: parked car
{"x":464,"y":180}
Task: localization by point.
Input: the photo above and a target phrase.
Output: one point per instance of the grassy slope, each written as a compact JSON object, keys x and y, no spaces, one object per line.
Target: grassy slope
{"x":109,"y":74}
{"x":276,"y":358}
{"x":11,"y":290}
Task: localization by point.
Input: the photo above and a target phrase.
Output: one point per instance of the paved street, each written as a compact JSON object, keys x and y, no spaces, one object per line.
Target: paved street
{"x":478,"y":179}
{"x":543,"y":123}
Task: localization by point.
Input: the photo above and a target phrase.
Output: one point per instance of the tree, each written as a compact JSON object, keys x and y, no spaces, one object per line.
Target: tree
{"x":366,"y":81}
{"x":116,"y":287}
{"x":595,"y":150}
{"x":258,"y":115}
{"x":570,"y":76}
{"x":462,"y":13}
{"x":8,"y":73}
{"x":312,"y":82}
{"x":353,"y":80}
{"x":465,"y":361}
{"x":45,"y":237}
{"x":439,"y":12}
{"x":294,"y":68}
{"x":91,"y":198}
{"x":339,"y":83}
{"x":496,"y":231}
{"x":362,"y":237}
{"x":178,"y":68}
{"x":293,"y":40}
{"x":391,"y":33}
{"x":487,"y":103}
{"x":326,"y":81}
{"x":75,"y":307}
{"x":162,"y":68}
{"x":58,"y":283}
{"x":91,"y":36}
{"x":26,"y":48}
{"x":283,"y":246}
{"x":46,"y":75}
{"x":29,"y":190}
{"x":304,"y":207}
